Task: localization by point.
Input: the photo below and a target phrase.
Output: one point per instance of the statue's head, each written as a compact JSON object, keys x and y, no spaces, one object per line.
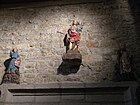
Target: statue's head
{"x":15,"y":50}
{"x":75,"y":22}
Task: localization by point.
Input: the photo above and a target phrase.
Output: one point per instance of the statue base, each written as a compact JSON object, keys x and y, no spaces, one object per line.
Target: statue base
{"x":71,"y":62}
{"x":11,"y":78}
{"x":72,"y":55}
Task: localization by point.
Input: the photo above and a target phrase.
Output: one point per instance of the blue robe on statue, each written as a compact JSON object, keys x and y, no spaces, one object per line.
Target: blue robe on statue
{"x":12,"y":67}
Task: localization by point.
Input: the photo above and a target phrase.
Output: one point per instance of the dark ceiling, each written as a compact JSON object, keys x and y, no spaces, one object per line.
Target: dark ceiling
{"x":19,"y":1}
{"x":29,"y":1}
{"x":16,"y":3}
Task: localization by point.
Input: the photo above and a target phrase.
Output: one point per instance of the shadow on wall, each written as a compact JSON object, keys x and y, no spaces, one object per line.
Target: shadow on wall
{"x":69,"y":66}
{"x":6,"y":64}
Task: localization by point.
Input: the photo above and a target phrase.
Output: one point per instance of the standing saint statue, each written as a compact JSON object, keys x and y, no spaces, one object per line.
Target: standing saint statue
{"x":12,"y":67}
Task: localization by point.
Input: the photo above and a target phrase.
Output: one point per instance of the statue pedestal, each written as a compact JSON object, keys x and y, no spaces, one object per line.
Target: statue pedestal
{"x":72,"y":55}
{"x":71,"y":62}
{"x":11,"y":78}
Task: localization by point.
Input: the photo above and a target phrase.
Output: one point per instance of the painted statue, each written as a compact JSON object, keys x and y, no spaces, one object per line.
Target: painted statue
{"x":124,"y":65}
{"x":15,"y":61}
{"x":74,"y":35}
{"x":12,"y":67}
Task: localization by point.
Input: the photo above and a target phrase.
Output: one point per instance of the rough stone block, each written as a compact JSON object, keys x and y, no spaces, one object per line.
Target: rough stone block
{"x":43,"y":99}
{"x":71,"y":85}
{"x":79,"y":103}
{"x":72,"y":98}
{"x":47,"y":85}
{"x":104,"y":98}
{"x":22,"y":99}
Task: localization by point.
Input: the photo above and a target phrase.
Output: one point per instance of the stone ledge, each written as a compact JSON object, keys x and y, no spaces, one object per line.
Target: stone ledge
{"x":120,"y":92}
{"x":69,"y":85}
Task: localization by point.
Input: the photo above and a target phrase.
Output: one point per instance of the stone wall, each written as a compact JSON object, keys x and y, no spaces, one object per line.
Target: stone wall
{"x":36,"y":32}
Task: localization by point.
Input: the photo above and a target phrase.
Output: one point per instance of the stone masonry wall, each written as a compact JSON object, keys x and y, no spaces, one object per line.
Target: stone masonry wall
{"x":35,"y":32}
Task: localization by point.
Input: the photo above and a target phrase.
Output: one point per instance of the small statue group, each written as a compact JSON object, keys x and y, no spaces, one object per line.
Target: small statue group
{"x":72,"y":58}
{"x":74,"y":33}
{"x":12,"y":67}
